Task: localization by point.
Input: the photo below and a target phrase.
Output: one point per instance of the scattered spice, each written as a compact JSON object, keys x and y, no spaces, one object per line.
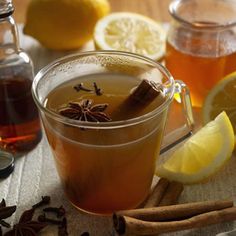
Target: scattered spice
{"x":157,"y":194}
{"x":43,"y":218}
{"x":5,"y":212}
{"x":164,"y":219}
{"x":26,"y":225}
{"x":62,"y":229}
{"x":2,"y":203}
{"x":98,"y":91}
{"x":128,"y":225}
{"x":85,"y":111}
{"x":45,"y":200}
{"x":5,"y":224}
{"x":175,"y":212}
{"x":81,"y":87}
{"x":85,"y":234}
{"x":59,"y":211}
{"x":172,"y":194}
{"x":2,"y":222}
{"x":29,"y":227}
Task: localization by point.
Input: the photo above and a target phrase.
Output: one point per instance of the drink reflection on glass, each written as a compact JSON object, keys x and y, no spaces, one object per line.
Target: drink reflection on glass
{"x":201,"y":44}
{"x":104,"y":121}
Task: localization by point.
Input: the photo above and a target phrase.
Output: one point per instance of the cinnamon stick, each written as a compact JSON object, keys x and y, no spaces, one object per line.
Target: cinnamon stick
{"x":164,"y":193}
{"x":145,"y":93}
{"x":157,"y":193}
{"x":172,"y":194}
{"x":128,"y":225}
{"x":174,"y":212}
{"x":140,"y":97}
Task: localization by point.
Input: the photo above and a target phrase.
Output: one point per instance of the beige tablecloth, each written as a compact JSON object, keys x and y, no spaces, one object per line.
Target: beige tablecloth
{"x":35,"y":175}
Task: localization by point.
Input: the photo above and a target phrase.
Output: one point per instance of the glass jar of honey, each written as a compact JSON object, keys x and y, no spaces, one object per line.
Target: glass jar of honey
{"x":201,"y":44}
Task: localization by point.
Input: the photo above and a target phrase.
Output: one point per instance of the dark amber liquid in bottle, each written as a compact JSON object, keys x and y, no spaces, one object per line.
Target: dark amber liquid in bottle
{"x":19,"y":121}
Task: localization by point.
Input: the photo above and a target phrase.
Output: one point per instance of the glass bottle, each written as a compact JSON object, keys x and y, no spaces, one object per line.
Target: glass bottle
{"x":20,"y":129}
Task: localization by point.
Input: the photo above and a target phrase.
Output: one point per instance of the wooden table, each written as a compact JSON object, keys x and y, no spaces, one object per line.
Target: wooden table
{"x":156,"y":9}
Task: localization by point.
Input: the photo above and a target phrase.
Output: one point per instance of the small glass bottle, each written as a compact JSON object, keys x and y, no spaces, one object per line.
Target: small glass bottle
{"x":20,"y":129}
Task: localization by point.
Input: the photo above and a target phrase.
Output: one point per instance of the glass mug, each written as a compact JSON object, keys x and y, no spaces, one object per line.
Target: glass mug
{"x":107,"y":166}
{"x":201,"y":44}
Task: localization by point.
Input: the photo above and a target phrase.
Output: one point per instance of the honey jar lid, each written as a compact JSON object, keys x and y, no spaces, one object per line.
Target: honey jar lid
{"x":6,"y":164}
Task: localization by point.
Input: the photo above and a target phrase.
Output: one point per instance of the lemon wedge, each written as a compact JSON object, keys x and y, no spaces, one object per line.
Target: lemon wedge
{"x":125,"y":31}
{"x":202,"y":155}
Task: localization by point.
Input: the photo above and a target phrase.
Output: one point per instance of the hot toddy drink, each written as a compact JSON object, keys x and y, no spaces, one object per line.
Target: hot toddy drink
{"x":105,"y":163}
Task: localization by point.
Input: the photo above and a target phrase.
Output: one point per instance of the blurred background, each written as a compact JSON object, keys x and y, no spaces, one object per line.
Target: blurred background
{"x":156,"y":9}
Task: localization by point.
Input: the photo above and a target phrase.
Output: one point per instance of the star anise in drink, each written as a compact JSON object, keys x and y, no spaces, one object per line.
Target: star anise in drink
{"x":85,"y":111}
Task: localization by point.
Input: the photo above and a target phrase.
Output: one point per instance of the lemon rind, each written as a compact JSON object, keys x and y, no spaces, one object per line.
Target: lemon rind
{"x":208,"y":101}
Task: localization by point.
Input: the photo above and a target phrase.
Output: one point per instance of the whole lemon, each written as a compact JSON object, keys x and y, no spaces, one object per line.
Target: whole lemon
{"x":64,"y":24}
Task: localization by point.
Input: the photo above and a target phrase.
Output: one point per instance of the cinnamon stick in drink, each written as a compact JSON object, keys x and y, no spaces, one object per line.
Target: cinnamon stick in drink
{"x":128,"y":225}
{"x":145,"y":93}
{"x":140,"y":97}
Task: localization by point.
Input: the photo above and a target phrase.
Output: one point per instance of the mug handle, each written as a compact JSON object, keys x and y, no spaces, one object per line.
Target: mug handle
{"x":177,"y":136}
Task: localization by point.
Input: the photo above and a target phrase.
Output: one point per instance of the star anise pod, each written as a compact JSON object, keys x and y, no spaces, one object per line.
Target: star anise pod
{"x":26,"y":226}
{"x":85,"y":111}
{"x":5,"y":212}
{"x":2,"y":203}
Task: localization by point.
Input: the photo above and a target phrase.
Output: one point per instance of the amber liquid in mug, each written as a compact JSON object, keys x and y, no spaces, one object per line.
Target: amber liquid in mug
{"x":201,"y":61}
{"x":104,"y":170}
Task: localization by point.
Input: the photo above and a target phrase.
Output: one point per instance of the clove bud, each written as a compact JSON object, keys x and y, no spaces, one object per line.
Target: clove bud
{"x":98,"y":91}
{"x":60,"y":211}
{"x":43,"y":218}
{"x":85,"y":234}
{"x":45,"y":200}
{"x":62,"y":229}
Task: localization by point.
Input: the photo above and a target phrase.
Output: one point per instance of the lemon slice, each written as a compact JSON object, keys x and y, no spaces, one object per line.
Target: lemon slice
{"x":222,"y":97}
{"x":125,"y":31}
{"x":202,"y":155}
